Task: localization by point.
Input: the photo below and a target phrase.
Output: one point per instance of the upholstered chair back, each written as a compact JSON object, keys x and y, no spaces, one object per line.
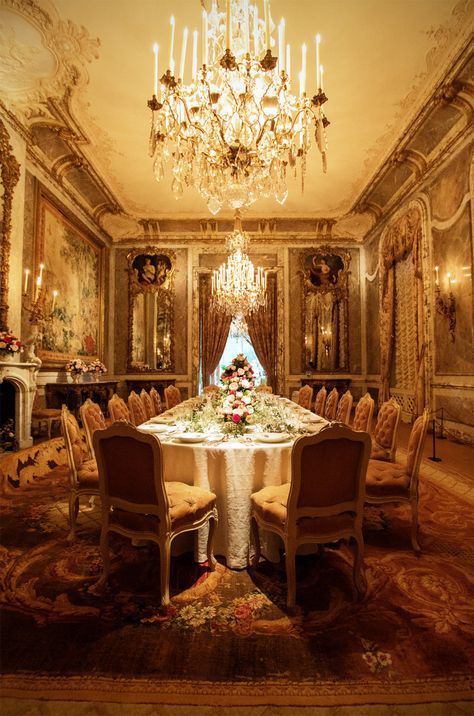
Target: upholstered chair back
{"x":76,"y":447}
{"x":172,"y":396}
{"x":415,"y":445}
{"x":320,"y":401}
{"x":330,"y":408}
{"x":118,"y":409}
{"x":211,"y":389}
{"x":363,"y":414}
{"x":295,"y":396}
{"x":92,"y":419}
{"x":264,"y":389}
{"x":344,"y":408}
{"x":386,"y":430}
{"x":155,"y":396}
{"x":147,"y":404}
{"x":305,"y":396}
{"x":136,"y":410}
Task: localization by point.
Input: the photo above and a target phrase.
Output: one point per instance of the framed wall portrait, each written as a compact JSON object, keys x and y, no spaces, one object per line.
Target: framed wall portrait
{"x":151,"y":269}
{"x":72,"y":267}
{"x":325,"y":269}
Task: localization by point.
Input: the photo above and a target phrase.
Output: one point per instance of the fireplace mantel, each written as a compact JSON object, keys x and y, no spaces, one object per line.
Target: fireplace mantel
{"x":23,"y":377}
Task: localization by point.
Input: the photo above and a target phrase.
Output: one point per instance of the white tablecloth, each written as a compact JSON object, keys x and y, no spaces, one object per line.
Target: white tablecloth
{"x":233,"y":470}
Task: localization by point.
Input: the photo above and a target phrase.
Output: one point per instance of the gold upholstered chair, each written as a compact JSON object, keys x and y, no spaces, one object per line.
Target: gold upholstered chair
{"x":322,"y":503}
{"x":44,"y":416}
{"x":92,"y":419}
{"x":344,"y":407}
{"x":135,"y":408}
{"x":295,"y":396}
{"x":156,"y":399}
{"x":263,"y":389}
{"x":172,"y":396}
{"x":118,"y":409}
{"x":363,"y":414}
{"x":320,"y":401}
{"x":395,"y":482}
{"x":148,"y":508}
{"x":147,"y":404}
{"x":384,"y":438}
{"x":330,"y":408}
{"x":83,"y":474}
{"x":305,"y":396}
{"x":211,"y":389}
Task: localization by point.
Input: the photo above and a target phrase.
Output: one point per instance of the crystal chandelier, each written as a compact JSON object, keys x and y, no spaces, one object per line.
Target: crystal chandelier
{"x":237,"y":287}
{"x":236,"y":129}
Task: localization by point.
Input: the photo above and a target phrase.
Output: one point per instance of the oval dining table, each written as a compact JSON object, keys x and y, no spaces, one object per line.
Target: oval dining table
{"x":233,"y":468}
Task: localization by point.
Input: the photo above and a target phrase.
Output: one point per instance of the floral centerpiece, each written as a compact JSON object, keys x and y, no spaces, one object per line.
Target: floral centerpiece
{"x":9,"y":344}
{"x":237,"y":394}
{"x":96,"y":367}
{"x":76,"y":367}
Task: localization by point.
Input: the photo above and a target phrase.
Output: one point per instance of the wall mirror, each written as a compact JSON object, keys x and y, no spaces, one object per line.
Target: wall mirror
{"x":151,"y":310}
{"x":324,"y":283}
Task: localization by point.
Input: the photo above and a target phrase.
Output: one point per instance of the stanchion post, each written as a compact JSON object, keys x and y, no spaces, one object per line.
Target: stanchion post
{"x":441,"y":435}
{"x":433,"y":457}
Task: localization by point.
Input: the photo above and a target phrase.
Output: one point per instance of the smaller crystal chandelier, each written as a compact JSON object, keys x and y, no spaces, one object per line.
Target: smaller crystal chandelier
{"x":237,"y":287}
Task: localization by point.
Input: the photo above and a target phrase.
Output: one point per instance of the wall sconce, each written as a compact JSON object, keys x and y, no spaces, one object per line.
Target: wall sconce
{"x":37,"y":303}
{"x":446,"y":306}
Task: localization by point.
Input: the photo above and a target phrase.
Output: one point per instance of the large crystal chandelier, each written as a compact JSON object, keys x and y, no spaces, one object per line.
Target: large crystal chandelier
{"x":236,"y":129}
{"x":237,"y":287}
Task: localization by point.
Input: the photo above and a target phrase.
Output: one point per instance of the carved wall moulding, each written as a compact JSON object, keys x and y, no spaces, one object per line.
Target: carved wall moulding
{"x":10,"y":174}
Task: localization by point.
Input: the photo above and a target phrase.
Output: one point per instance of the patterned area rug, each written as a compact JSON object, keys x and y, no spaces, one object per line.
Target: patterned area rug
{"x":227,"y":637}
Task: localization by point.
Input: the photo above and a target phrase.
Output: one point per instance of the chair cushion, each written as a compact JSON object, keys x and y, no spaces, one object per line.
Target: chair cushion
{"x":386,"y":479}
{"x":88,"y":474}
{"x":270,"y":504}
{"x":379,"y":453}
{"x":46,"y":413}
{"x":187,"y":504}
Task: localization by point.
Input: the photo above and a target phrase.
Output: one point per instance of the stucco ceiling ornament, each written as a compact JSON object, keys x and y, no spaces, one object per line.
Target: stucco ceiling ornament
{"x":42,"y":58}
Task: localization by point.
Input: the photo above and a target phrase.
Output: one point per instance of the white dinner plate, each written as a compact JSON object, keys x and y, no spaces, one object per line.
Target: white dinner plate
{"x":158,"y":420}
{"x":272,"y":437}
{"x":147,"y":428}
{"x":191,"y":437}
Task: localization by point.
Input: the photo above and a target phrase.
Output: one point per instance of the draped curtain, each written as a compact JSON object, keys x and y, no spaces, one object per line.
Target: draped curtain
{"x":214,"y":330}
{"x":262,"y":325}
{"x":401,"y":238}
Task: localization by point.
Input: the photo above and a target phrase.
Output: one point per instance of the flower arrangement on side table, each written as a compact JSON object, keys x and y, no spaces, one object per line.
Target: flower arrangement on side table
{"x":76,"y":367}
{"x":238,"y":395}
{"x":96,"y":367}
{"x":10,"y":345}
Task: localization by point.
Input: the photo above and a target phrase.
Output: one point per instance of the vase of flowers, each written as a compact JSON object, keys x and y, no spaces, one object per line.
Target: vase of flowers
{"x":96,"y":368}
{"x":238,"y":394}
{"x":76,"y":369}
{"x":10,"y":346}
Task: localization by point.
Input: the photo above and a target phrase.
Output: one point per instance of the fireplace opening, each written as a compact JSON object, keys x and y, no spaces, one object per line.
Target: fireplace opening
{"x":7,"y":416}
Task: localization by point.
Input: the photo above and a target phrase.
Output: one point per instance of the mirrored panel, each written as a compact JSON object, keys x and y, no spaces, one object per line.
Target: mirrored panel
{"x":151,"y":310}
{"x":324,"y":277}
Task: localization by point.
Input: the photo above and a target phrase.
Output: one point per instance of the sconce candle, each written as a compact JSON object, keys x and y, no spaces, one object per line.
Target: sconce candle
{"x":27,"y":277}
{"x":53,"y":305}
{"x":437,"y":275}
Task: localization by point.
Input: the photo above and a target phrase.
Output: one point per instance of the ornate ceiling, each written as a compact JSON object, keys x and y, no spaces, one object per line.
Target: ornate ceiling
{"x":76,"y":77}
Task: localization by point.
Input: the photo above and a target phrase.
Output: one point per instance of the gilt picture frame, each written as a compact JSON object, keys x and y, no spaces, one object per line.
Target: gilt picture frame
{"x":73,"y":266}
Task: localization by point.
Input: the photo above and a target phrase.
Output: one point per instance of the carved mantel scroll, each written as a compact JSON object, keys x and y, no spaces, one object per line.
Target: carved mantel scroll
{"x":10,"y":174}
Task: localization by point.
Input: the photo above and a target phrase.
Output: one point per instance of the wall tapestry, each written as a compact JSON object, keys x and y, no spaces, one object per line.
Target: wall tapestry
{"x":72,"y":267}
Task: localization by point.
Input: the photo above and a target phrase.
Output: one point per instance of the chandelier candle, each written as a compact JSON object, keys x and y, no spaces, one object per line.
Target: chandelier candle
{"x":235,"y":130}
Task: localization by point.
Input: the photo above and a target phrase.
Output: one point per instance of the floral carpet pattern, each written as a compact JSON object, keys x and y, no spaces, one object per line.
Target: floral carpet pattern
{"x":226,"y":636}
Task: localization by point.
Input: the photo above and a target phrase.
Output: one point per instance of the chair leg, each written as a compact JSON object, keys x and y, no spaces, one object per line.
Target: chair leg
{"x":73,"y":510}
{"x":165,"y":555}
{"x":256,"y":541}
{"x":210,"y":541}
{"x":290,"y":564}
{"x":359,"y":574}
{"x":414,"y":525}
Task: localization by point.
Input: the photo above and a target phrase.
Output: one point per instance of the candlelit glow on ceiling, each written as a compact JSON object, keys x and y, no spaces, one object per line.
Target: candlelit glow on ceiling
{"x":236,"y":130}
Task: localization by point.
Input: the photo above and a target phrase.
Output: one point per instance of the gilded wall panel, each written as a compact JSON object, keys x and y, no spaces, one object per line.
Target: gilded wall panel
{"x":450,"y":186}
